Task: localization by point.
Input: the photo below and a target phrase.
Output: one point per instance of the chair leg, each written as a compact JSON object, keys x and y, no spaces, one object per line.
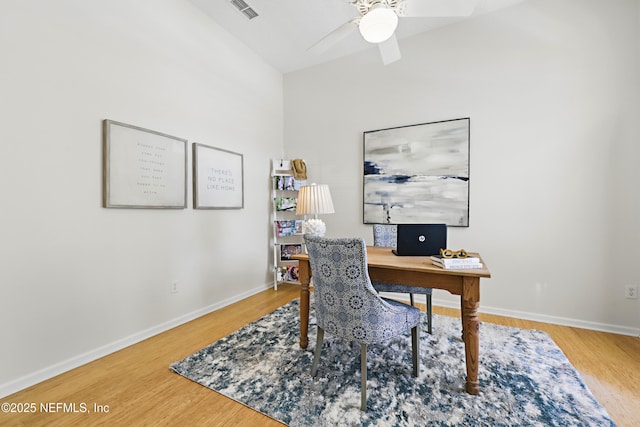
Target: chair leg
{"x":363,"y":369}
{"x":316,"y":356}
{"x":429,"y":312}
{"x":411,"y":300}
{"x":415,"y":348}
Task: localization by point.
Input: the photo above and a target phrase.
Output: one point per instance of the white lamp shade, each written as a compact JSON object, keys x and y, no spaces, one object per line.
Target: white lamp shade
{"x":378,"y":24}
{"x":314,"y":199}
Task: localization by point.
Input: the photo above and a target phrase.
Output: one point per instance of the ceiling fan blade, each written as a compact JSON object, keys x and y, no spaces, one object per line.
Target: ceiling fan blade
{"x":390,"y":50}
{"x":334,"y":37}
{"x":436,"y":8}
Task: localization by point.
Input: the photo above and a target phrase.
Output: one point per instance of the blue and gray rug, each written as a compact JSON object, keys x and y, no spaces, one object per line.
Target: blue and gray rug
{"x":525,"y":379}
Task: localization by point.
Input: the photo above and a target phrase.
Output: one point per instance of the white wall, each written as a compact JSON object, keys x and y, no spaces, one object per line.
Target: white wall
{"x":79,"y":280}
{"x":552,"y":91}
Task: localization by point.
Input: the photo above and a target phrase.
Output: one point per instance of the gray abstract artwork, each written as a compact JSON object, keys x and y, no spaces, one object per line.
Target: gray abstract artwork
{"x":418,"y":174}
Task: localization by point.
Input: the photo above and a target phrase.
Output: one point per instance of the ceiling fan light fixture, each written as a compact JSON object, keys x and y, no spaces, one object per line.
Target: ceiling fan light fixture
{"x":378,"y":24}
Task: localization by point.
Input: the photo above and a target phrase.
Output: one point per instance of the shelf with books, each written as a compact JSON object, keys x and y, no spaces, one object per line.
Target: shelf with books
{"x":287,"y":226}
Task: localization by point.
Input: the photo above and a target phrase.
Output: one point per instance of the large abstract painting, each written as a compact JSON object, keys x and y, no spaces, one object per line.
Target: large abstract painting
{"x":418,"y":174}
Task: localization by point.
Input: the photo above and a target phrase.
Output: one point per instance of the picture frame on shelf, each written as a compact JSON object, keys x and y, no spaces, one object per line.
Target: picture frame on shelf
{"x":143,"y":168}
{"x":218,"y":178}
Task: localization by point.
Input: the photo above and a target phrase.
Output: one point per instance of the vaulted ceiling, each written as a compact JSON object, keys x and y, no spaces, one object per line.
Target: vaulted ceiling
{"x":284,"y":30}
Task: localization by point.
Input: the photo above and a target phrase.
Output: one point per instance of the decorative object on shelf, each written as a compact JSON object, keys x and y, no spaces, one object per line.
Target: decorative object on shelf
{"x":314,"y":199}
{"x":299,"y":169}
{"x":217,"y":178}
{"x":417,"y":174}
{"x":143,"y":168}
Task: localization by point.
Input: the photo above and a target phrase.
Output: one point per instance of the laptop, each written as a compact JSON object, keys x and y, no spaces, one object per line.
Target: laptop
{"x":421,"y":239}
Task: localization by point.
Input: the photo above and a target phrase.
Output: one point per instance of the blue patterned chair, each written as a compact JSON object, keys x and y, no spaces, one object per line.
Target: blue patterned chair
{"x":386,"y":235}
{"x":347,"y":305}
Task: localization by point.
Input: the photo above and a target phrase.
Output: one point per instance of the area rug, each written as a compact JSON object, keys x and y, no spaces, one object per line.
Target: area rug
{"x":525,"y":379}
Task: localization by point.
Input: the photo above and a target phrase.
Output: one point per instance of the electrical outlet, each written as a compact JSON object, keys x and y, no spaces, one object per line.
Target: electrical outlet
{"x":174,"y":287}
{"x":631,"y":292}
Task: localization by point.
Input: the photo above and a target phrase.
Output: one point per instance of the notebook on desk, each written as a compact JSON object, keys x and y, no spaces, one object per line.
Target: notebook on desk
{"x":420,"y":239}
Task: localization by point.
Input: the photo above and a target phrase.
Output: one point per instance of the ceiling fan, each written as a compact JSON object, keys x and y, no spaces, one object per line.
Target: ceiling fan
{"x":378,"y":21}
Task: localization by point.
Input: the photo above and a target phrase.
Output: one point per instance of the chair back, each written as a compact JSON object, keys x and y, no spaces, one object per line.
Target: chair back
{"x":385,"y":235}
{"x":346,"y":303}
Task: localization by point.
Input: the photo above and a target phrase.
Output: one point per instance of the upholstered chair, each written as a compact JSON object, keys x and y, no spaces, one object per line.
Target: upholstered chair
{"x":386,"y":235}
{"x":347,"y":305}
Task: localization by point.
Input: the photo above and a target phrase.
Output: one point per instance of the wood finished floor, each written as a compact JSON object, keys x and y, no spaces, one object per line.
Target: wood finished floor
{"x":139,"y":390}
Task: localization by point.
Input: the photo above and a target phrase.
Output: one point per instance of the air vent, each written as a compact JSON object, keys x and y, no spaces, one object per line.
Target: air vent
{"x":244,"y":8}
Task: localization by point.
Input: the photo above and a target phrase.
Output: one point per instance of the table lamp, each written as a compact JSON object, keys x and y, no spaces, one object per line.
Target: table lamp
{"x":314,"y":199}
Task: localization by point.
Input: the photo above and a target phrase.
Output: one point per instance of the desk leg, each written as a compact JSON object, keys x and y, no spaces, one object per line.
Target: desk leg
{"x":470,"y":300}
{"x":304,"y":276}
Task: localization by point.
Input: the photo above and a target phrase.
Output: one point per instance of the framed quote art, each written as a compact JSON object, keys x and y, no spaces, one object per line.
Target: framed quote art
{"x":417,"y":174}
{"x":217,"y":178}
{"x":143,"y":168}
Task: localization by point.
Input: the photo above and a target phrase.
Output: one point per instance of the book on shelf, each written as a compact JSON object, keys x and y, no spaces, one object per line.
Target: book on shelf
{"x":288,"y":250}
{"x":289,"y":227}
{"x":286,"y":203}
{"x":288,"y":273}
{"x":287,"y":183}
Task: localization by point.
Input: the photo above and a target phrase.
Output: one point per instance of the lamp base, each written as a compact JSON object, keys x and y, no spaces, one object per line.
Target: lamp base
{"x":315,"y":227}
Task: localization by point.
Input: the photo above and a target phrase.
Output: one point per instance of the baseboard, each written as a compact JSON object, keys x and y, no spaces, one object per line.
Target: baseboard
{"x":51,"y":371}
{"x":555,"y":320}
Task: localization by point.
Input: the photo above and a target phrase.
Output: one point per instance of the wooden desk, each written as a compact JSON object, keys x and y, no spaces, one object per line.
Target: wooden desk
{"x":416,"y":271}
